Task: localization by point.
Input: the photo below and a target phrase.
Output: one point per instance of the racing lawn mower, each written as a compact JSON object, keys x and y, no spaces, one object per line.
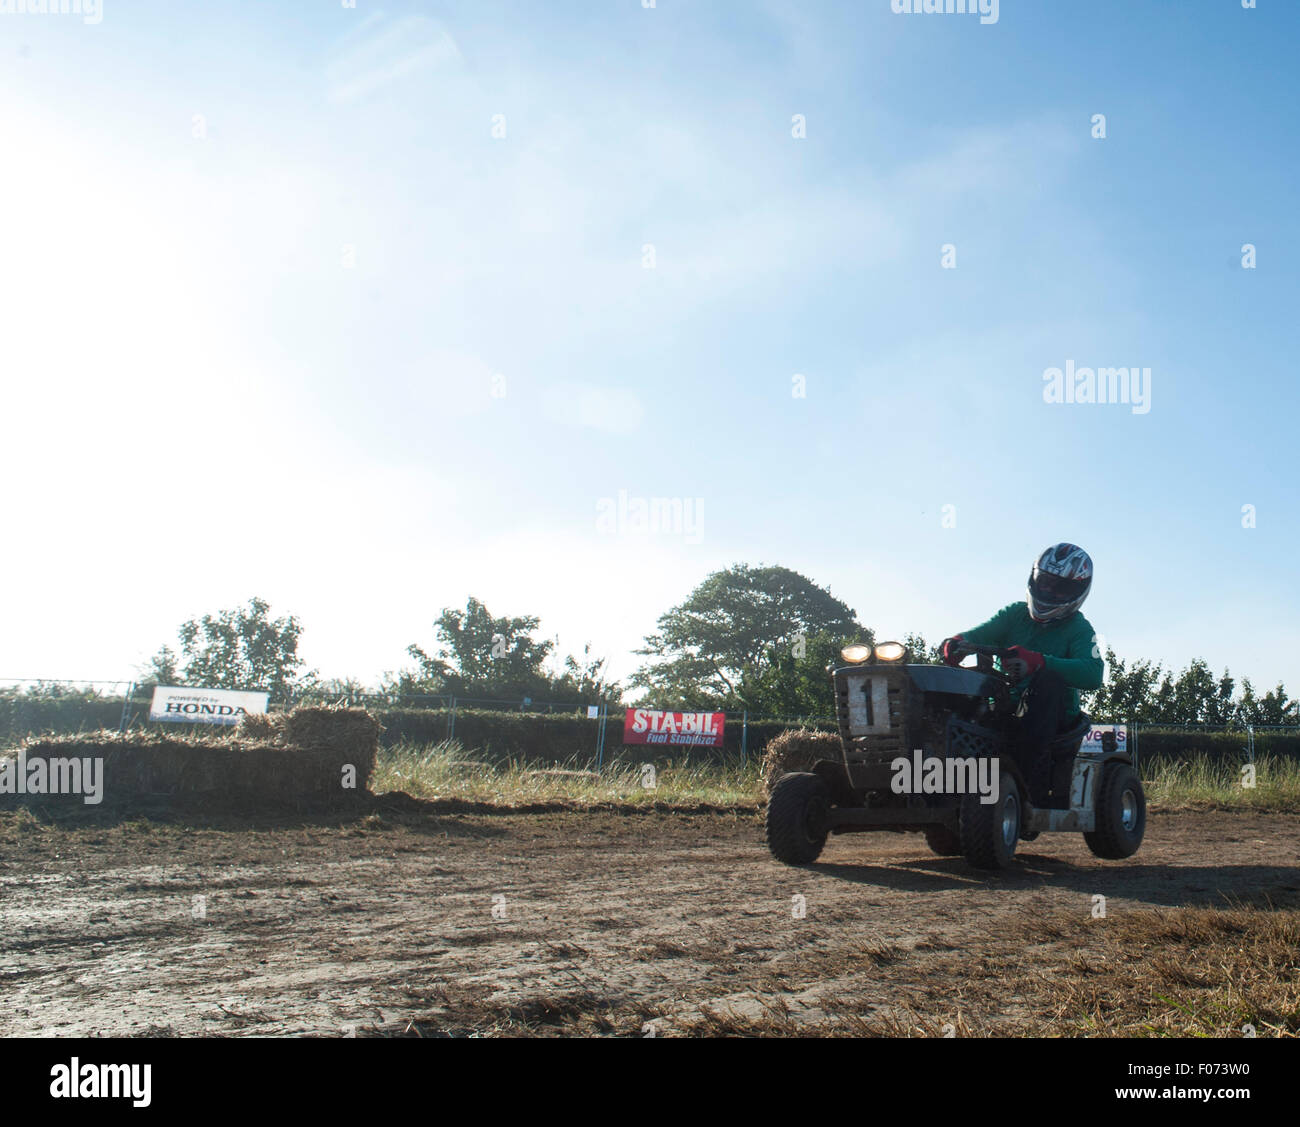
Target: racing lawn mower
{"x":917,"y":742}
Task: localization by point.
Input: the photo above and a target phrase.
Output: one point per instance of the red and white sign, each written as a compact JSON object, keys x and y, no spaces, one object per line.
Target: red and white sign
{"x":675,"y":729}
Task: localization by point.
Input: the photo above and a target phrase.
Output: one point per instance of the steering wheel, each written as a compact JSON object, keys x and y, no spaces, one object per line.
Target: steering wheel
{"x":984,"y":656}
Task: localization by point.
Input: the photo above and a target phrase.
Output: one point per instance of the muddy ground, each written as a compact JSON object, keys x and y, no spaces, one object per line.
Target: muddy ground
{"x":409,"y":919}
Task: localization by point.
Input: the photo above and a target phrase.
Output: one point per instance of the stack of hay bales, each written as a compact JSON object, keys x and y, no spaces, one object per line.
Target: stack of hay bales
{"x":304,"y":757}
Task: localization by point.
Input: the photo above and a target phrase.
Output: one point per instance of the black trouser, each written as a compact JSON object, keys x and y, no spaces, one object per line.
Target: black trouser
{"x":1046,"y":702}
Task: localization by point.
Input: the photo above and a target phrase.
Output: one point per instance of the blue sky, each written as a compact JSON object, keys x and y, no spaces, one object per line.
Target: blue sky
{"x":282,"y":316}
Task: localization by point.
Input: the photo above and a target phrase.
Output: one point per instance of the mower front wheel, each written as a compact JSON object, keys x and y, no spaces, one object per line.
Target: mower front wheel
{"x":798,"y":818}
{"x":989,"y":831}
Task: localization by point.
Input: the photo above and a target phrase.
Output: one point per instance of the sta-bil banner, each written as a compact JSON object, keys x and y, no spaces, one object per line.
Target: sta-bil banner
{"x":675,"y":729}
{"x":204,"y":706}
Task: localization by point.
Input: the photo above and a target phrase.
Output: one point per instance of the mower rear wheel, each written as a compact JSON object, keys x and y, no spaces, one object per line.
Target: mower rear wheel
{"x":1121,"y":814}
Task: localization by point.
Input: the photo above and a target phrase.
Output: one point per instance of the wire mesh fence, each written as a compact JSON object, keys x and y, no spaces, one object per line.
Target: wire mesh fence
{"x":536,"y":727}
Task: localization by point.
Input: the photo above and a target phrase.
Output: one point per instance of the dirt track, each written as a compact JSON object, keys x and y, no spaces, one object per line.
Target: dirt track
{"x":613,"y":922}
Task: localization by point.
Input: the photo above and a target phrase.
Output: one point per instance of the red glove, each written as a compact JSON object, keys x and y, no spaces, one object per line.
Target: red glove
{"x":952,"y":651}
{"x":1025,"y":664}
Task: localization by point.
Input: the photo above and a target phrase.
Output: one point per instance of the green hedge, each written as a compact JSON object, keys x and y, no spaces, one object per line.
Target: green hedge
{"x":1166,"y":743}
{"x":22,"y":716}
{"x":541,"y":736}
{"x":495,"y":734}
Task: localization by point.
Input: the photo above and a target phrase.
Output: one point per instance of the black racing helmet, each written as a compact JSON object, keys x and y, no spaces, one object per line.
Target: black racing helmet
{"x":1059,"y":582}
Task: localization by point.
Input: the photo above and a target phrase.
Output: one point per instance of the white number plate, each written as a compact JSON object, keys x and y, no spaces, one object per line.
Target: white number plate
{"x":868,"y":704}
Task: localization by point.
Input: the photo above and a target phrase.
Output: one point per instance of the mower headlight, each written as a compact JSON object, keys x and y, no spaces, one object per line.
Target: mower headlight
{"x":856,"y":653}
{"x":891,"y":651}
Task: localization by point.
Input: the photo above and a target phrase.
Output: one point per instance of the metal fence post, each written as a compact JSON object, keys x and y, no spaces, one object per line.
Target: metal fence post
{"x":126,"y":707}
{"x":744,"y":737}
{"x":451,"y":721}
{"x":600,"y":738}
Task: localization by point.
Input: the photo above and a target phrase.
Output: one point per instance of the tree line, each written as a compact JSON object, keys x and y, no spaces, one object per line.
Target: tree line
{"x":756,"y":639}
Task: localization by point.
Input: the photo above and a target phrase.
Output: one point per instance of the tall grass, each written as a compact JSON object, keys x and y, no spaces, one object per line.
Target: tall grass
{"x":447,"y":771}
{"x":1201,"y":781}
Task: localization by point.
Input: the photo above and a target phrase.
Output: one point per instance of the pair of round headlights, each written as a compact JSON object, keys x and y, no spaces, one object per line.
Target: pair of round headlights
{"x":884,"y":651}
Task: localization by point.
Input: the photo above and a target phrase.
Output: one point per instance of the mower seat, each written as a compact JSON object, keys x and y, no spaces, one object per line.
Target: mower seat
{"x":1066,"y":744}
{"x":1062,"y":750}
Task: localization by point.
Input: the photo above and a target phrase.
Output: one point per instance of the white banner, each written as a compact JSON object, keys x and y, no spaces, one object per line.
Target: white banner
{"x":204,"y":706}
{"x":1092,"y":741}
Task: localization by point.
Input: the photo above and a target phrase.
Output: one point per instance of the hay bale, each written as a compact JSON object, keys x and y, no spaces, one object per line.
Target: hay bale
{"x":277,"y":760}
{"x":258,"y":726}
{"x":796,"y":750}
{"x":349,"y":731}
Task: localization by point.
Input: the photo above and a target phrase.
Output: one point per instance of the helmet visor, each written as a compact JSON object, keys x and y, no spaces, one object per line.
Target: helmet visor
{"x":1056,"y":590}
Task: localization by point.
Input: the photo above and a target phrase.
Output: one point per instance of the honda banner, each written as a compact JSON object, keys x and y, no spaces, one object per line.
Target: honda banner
{"x":204,"y":706}
{"x":676,"y":729}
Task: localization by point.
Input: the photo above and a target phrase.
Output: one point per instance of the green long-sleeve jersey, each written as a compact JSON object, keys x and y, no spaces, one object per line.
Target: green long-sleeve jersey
{"x":1069,"y":646}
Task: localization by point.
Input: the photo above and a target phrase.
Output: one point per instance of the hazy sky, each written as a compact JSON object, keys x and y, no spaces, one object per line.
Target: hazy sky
{"x":281,"y":315}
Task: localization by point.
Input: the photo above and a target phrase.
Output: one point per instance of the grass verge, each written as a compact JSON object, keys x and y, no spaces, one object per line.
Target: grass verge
{"x":1201,"y":782}
{"x":447,"y":771}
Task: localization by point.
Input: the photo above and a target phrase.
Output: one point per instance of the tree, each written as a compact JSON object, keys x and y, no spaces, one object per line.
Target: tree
{"x":479,"y":655}
{"x":1149,"y":694}
{"x":483,"y":656}
{"x":1127,"y":694}
{"x":1197,"y":698}
{"x":1222,"y":707}
{"x":739,"y":631}
{"x":919,"y":652}
{"x":1160,"y":706}
{"x":162,"y":669}
{"x":795,"y":682}
{"x":586,"y":678}
{"x":241,"y":648}
{"x":1277,"y":707}
{"x":1248,"y":705}
{"x":1274,"y":707}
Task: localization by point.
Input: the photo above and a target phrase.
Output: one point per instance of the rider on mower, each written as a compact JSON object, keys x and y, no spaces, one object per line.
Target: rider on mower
{"x":1056,"y":655}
